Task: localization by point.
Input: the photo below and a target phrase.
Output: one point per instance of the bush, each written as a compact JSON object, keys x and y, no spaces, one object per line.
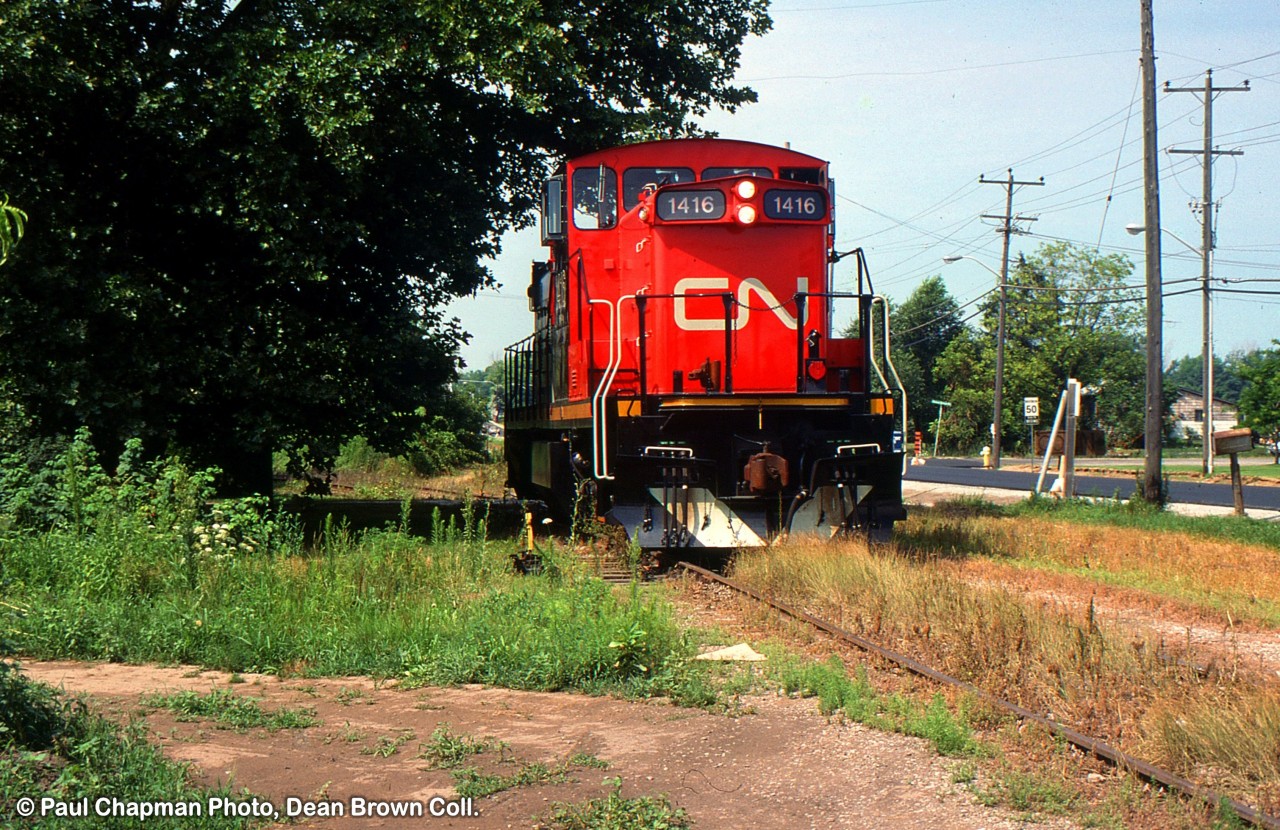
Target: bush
{"x":53,"y":746}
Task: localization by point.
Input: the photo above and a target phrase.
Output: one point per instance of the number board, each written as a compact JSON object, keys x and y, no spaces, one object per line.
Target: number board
{"x":795,"y":204}
{"x":686,"y":205}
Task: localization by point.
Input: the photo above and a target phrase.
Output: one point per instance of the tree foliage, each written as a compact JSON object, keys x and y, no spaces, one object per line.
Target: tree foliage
{"x":252,"y":214}
{"x":921,"y":328}
{"x":1069,"y":315}
{"x":1228,"y":380}
{"x":1260,"y":397}
{"x":12,"y":225}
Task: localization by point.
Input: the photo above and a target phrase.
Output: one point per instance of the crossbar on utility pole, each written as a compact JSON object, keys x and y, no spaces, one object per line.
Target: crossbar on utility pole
{"x":1206,"y":247}
{"x":1007,"y":230}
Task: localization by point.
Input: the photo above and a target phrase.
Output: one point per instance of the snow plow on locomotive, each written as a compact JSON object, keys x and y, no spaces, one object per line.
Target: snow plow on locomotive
{"x":683,"y":379}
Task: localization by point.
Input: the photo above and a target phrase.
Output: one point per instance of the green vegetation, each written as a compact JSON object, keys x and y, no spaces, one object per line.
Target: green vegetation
{"x":1141,"y":516}
{"x":614,"y":812}
{"x":277,"y":278}
{"x":1033,"y":795}
{"x":134,"y":566}
{"x":855,"y":698}
{"x":389,"y":745}
{"x":1063,"y":322}
{"x":53,"y":747}
{"x":231,"y":711}
{"x":973,"y":593}
{"x":12,"y":226}
{"x":451,"y":752}
{"x":1260,"y":397}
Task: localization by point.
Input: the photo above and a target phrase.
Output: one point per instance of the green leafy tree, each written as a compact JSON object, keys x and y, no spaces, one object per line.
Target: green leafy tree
{"x":1188,"y":373}
{"x":12,"y":225}
{"x":1260,"y":397}
{"x":254,"y":213}
{"x":922,"y":327}
{"x":1069,"y":315}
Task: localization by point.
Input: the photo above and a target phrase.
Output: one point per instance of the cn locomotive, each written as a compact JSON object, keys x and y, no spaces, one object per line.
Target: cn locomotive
{"x":683,"y":379}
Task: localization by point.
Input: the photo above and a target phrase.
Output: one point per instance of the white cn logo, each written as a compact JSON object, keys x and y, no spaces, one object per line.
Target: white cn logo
{"x":742,"y":309}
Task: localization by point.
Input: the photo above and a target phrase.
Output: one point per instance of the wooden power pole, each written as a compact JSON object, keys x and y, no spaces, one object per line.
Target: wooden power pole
{"x":1007,"y":229}
{"x":1153,"y":432}
{"x":1206,"y":248}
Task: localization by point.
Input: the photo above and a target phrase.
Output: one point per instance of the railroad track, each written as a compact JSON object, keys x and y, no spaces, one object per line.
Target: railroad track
{"x":1087,"y":743}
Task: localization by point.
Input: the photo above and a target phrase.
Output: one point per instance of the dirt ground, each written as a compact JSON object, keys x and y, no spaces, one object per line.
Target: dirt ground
{"x":782,"y":765}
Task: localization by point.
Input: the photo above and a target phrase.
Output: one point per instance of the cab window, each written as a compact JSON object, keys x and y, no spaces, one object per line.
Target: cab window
{"x":729,"y":172}
{"x":636,"y":179}
{"x":808,"y":175}
{"x":595,"y":198}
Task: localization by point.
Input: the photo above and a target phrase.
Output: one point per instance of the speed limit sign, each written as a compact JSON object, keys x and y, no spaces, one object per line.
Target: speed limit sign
{"x":1031,"y":409}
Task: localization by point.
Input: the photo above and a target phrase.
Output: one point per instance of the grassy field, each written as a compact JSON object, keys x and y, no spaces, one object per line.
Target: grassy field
{"x":138,"y":566}
{"x":943,"y":593}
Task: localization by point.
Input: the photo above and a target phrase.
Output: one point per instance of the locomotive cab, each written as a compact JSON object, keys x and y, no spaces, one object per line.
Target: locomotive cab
{"x":683,"y":378}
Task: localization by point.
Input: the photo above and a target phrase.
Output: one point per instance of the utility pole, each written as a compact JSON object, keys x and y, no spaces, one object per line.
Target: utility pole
{"x":1152,"y":474}
{"x":1006,"y":229}
{"x":1206,"y":246}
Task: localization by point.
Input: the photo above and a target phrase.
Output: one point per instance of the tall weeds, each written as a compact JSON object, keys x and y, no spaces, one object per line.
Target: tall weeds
{"x":143,"y":568}
{"x":1118,"y":684}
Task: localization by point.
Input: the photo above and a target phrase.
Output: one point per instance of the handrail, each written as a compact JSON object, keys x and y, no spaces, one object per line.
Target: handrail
{"x":597,"y":427}
{"x":599,"y":419}
{"x":888,"y":359}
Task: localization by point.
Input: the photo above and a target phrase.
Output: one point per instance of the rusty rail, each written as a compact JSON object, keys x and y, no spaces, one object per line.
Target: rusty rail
{"x":1094,"y":746}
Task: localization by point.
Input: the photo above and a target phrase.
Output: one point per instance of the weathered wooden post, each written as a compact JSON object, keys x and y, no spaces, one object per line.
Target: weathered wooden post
{"x":1232,"y":442}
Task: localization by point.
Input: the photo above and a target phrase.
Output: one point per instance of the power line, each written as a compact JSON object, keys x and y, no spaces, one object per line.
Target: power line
{"x":922,"y":72}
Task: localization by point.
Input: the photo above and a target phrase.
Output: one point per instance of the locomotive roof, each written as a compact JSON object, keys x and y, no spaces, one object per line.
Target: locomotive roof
{"x":697,"y":151}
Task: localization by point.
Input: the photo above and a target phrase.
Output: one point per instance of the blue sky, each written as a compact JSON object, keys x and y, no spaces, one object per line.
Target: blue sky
{"x":912,"y":101}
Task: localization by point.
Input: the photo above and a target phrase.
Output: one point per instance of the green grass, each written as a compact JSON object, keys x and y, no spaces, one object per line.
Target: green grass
{"x":53,"y":747}
{"x":448,"y":751}
{"x":471,"y":782}
{"x":446,"y":611}
{"x":1031,"y":794}
{"x":855,"y":698}
{"x":453,"y":752}
{"x":137,"y":567}
{"x":231,"y":711}
{"x":389,"y":745}
{"x":615,"y":812}
{"x":1144,"y":517}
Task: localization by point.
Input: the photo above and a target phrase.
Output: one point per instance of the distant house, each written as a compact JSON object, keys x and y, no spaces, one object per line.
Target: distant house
{"x":1188,"y":415}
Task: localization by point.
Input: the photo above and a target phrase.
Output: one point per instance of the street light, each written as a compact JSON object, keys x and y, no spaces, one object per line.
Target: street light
{"x":999,"y":384}
{"x":1206,"y":349}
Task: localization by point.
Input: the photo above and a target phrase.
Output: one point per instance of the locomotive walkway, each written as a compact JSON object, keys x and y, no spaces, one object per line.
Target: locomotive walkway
{"x":969,"y":472}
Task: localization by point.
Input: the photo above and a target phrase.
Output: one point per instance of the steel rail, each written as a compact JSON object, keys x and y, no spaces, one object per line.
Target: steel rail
{"x":1094,"y":746}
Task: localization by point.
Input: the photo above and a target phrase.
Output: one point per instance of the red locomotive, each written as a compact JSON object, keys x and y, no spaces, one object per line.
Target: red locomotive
{"x":682,"y":378}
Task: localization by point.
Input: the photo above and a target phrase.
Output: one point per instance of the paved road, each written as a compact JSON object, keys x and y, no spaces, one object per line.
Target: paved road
{"x":969,"y":472}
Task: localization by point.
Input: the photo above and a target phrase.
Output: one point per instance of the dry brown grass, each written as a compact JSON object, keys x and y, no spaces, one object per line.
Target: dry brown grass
{"x":1216,"y":577}
{"x":1105,"y":680}
{"x":395,"y":479}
